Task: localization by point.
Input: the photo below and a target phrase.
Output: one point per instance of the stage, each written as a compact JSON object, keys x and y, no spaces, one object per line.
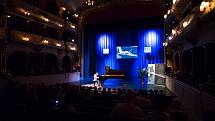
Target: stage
{"x":153,"y":82}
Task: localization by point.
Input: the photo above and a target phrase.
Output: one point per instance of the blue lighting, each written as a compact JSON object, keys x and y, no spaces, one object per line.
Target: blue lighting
{"x":101,"y":51}
{"x":105,"y":41}
{"x":150,"y":39}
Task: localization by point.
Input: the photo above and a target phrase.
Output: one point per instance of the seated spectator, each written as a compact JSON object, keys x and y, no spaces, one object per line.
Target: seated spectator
{"x":127,"y":110}
{"x":160,"y":114}
{"x":143,"y":102}
{"x":175,"y":105}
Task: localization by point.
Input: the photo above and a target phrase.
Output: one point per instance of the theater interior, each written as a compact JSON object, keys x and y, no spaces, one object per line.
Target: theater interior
{"x":107,"y":60}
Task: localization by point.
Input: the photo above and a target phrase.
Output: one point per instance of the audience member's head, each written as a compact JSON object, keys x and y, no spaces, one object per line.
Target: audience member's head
{"x":160,"y":103}
{"x":130,"y":96}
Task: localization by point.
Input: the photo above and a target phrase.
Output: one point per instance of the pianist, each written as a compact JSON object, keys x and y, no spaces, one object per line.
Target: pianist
{"x":96,"y":79}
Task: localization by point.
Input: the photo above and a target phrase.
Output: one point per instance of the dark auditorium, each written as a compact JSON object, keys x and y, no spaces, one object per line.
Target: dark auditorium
{"x":107,"y":60}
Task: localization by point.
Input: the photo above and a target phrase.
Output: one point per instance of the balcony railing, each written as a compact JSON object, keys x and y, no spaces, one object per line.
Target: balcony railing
{"x":28,"y":38}
{"x":21,"y":8}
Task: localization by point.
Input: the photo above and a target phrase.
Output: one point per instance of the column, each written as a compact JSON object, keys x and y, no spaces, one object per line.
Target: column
{"x":180,"y":60}
{"x":3,"y":59}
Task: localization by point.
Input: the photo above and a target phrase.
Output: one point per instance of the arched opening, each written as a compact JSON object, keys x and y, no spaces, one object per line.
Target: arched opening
{"x":51,"y":63}
{"x":35,"y":63}
{"x":17,"y":63}
{"x":187,"y":62}
{"x":66,"y":64}
{"x":177,"y":62}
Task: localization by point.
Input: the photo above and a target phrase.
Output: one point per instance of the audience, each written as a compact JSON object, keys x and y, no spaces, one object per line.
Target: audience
{"x":161,"y":112}
{"x":127,"y":110}
{"x":122,"y":104}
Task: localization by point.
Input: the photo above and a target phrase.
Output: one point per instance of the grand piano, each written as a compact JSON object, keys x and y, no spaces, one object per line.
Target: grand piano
{"x":112,"y":74}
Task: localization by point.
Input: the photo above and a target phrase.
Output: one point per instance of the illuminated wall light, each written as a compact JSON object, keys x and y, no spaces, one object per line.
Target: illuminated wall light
{"x":45,"y":42}
{"x":76,"y":15}
{"x":25,"y":39}
{"x":203,"y":6}
{"x":72,"y":48}
{"x":60,"y":25}
{"x":73,"y":26}
{"x":67,"y":18}
{"x":90,"y":2}
{"x":58,"y":44}
{"x":170,"y":37}
{"x":73,"y":40}
{"x":173,"y":32}
{"x":165,"y":44}
{"x":185,"y":24}
{"x":168,"y":12}
{"x":165,"y":16}
{"x":47,"y":20}
{"x":27,"y":13}
{"x":174,"y":1}
{"x":63,"y":8}
{"x":8,"y":16}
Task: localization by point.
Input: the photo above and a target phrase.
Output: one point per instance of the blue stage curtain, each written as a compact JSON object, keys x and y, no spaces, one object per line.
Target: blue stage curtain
{"x":150,"y":38}
{"x":89,"y":63}
{"x":105,"y":41}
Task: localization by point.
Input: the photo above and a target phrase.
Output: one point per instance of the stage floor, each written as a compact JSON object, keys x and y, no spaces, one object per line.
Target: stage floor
{"x":153,"y":82}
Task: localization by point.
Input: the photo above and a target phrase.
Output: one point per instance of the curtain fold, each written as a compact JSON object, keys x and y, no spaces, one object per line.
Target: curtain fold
{"x":152,"y":39}
{"x":95,"y":43}
{"x":105,"y":41}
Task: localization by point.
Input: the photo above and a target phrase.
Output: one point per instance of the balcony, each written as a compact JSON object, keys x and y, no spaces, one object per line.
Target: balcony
{"x":192,"y":24}
{"x":28,"y":38}
{"x":21,"y":8}
{"x":35,"y":40}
